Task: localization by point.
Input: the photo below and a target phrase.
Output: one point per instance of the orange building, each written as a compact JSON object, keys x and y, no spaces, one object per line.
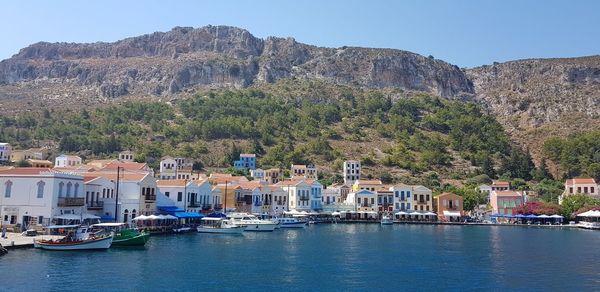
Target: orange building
{"x":449,"y":207}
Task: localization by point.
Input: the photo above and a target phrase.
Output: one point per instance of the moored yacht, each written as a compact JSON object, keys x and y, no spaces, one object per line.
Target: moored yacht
{"x":387,"y":220}
{"x":291,"y":223}
{"x":219,"y":225}
{"x":251,"y":222}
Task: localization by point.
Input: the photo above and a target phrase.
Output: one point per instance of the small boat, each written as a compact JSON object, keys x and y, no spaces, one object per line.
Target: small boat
{"x":123,"y":236}
{"x":182,"y":229}
{"x":386,"y":220}
{"x":219,"y":225}
{"x":291,"y":223}
{"x":82,"y":239}
{"x":251,"y":222}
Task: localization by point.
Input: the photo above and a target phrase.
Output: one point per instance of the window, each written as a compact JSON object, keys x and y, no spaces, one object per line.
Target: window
{"x":61,"y":186}
{"x":76,"y":192}
{"x":427,"y":197}
{"x":8,"y":189}
{"x":133,"y":214}
{"x":125,"y":215}
{"x":571,"y":190}
{"x":167,"y":194}
{"x":69,"y":186}
{"x":408,"y":206}
{"x":585,"y":190}
{"x":402,"y":195}
{"x":592,"y":190}
{"x":40,"y":189}
{"x":179,"y":196}
{"x":408,"y":194}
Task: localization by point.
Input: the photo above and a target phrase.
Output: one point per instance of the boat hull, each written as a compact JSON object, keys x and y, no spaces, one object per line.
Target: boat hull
{"x":232,"y":230}
{"x":293,"y":225}
{"x":138,"y":240}
{"x":102,"y":243}
{"x":260,"y":227}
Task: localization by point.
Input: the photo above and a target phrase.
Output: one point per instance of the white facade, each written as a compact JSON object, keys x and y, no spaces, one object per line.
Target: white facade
{"x":299,"y":194}
{"x":192,"y":196}
{"x":5,"y":151}
{"x":37,"y":196}
{"x":363,"y":200}
{"x":67,"y":160}
{"x":258,"y":174}
{"x":168,"y":168}
{"x":176,"y":168}
{"x":403,"y":200}
{"x":331,"y":196}
{"x":98,"y":191}
{"x":136,"y":195}
{"x":352,"y":171}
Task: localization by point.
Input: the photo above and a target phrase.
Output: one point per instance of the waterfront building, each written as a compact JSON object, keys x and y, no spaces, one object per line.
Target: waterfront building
{"x":449,"y":207}
{"x":246,"y":161}
{"x":352,"y":171}
{"x":230,"y":194}
{"x":402,"y":197}
{"x":504,"y":202}
{"x":305,"y":171}
{"x":331,"y":196}
{"x":221,"y":178}
{"x":5,"y":151}
{"x":98,"y":190}
{"x":585,"y":186}
{"x":136,"y":194}
{"x":385,"y":200}
{"x":39,"y":163}
{"x":280,"y":201}
{"x":366,"y":184}
{"x":126,"y":156}
{"x":64,"y":160}
{"x":37,"y":196}
{"x":258,"y":174}
{"x":365,"y":203}
{"x":303,"y":193}
{"x":273,"y":175}
{"x":188,"y":195}
{"x":486,"y":189}
{"x":422,"y":198}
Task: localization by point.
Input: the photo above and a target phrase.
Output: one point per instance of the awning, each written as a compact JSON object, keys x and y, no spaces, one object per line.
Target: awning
{"x":90,"y":216}
{"x":68,"y":217}
{"x":432,"y":214}
{"x":141,"y":217}
{"x":543,"y":216}
{"x":107,"y":218}
{"x":336,"y":214}
{"x":401,"y":213}
{"x":185,"y":215}
{"x":556,"y":216}
{"x":452,"y":214}
{"x":169,"y":209}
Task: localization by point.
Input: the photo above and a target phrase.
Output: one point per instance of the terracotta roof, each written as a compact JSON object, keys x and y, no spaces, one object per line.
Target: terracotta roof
{"x":126,"y":165}
{"x":24,"y":170}
{"x":580,"y":180}
{"x":247,"y":155}
{"x":39,"y":161}
{"x":123,"y":177}
{"x":298,"y":166}
{"x":369,"y":182}
{"x":507,"y":194}
{"x":500,"y":183}
{"x":172,"y":182}
{"x":446,"y":194}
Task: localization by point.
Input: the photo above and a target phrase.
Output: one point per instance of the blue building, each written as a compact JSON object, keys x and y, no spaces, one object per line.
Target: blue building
{"x":246,"y":161}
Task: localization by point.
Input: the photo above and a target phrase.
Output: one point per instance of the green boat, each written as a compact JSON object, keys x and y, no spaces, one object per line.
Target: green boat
{"x":124,"y":236}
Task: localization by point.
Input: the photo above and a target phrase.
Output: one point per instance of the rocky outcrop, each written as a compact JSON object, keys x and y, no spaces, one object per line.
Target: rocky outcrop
{"x":530,"y":93}
{"x":164,"y":63}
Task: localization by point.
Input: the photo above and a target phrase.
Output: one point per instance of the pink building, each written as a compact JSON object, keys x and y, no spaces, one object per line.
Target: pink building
{"x":504,"y":202}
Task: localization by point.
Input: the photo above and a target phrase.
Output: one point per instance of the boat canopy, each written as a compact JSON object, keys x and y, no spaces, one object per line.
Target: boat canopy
{"x":216,"y":215}
{"x":211,"y":219}
{"x":68,"y":217}
{"x":61,"y":226}
{"x":590,"y":213}
{"x":89,"y":216}
{"x":141,"y":217}
{"x":107,"y":224}
{"x":336,"y":214}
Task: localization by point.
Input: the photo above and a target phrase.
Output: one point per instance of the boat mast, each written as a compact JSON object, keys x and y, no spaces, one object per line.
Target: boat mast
{"x":117,"y":196}
{"x":225,"y":205}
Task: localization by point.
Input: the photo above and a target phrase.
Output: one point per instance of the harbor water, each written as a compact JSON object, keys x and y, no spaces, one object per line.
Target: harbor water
{"x":331,"y":257}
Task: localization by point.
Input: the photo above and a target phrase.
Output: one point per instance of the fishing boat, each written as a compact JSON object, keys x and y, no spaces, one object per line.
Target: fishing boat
{"x":122,"y":235}
{"x":291,"y":223}
{"x":218,"y":225}
{"x":251,"y":222}
{"x":82,"y":239}
{"x":386,"y":220}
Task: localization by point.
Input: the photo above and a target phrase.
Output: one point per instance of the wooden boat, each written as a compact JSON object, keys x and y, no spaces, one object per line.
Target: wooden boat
{"x":123,"y":236}
{"x":83,"y":239}
{"x":219,"y":225}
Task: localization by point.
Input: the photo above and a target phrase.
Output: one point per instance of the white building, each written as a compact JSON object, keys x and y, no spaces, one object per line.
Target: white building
{"x":304,"y":195}
{"x":98,"y":190}
{"x":331,"y":196}
{"x":258,"y":174}
{"x":365,"y":202}
{"x":34,"y":196}
{"x":5,"y":151}
{"x":176,"y":168}
{"x":64,"y":160}
{"x":136,"y":195}
{"x":352,"y":171}
{"x":582,"y":186}
{"x":191,"y":196}
{"x":305,"y":171}
{"x":403,"y":200}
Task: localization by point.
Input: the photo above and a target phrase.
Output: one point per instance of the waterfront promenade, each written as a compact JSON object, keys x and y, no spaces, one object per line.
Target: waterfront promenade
{"x":16,"y":240}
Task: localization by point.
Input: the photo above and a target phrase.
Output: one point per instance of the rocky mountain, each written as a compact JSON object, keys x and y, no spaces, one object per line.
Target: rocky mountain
{"x":184,"y":59}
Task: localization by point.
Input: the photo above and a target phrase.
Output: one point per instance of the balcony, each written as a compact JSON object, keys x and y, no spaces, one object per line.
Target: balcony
{"x":206,"y":206}
{"x":258,"y":204}
{"x":95,"y":205}
{"x":218,"y":206}
{"x":304,"y":198}
{"x":150,"y":198}
{"x":366,"y":205}
{"x":71,"y":202}
{"x":195,"y":205}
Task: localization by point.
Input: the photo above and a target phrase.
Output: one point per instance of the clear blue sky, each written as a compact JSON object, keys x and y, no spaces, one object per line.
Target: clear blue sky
{"x":465,"y":33}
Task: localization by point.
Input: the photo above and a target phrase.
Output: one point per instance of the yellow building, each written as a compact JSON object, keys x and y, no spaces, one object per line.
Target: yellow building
{"x":366,"y":184}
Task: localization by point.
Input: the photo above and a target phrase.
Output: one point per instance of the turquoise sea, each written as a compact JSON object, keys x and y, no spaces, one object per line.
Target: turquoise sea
{"x":325,"y":257}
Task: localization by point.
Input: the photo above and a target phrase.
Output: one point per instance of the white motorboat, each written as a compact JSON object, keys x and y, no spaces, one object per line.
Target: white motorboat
{"x":291,"y":223}
{"x":251,"y":222}
{"x":219,"y":225}
{"x":386,"y":220}
{"x":82,"y":239}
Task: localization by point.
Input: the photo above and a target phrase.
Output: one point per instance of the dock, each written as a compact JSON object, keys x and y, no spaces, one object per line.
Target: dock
{"x":17,"y":240}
